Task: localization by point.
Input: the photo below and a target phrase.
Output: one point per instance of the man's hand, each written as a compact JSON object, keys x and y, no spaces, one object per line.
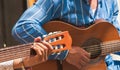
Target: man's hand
{"x":78,"y":57}
{"x":43,"y":49}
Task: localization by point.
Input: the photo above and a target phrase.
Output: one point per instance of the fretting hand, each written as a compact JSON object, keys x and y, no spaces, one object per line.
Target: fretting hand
{"x":43,"y":49}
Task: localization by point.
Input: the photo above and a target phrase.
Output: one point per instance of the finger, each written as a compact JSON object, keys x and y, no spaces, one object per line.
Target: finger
{"x":42,"y":46}
{"x":82,"y":63}
{"x":37,"y":50}
{"x":45,"y":53}
{"x":85,"y":60}
{"x":43,"y":49}
{"x":38,"y":39}
{"x":48,"y":45}
{"x":86,"y":53}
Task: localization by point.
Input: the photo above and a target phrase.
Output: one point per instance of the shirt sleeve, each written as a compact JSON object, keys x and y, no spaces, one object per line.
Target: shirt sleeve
{"x":113,"y":64}
{"x":118,"y":18}
{"x":30,"y":23}
{"x":8,"y":65}
{"x":115,"y":11}
{"x":29,"y":26}
{"x":115,"y":15}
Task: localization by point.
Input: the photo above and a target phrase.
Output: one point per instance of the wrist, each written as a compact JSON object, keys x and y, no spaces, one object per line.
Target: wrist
{"x":32,"y":61}
{"x":26,"y":62}
{"x":22,"y":64}
{"x":18,"y":64}
{"x":25,"y":65}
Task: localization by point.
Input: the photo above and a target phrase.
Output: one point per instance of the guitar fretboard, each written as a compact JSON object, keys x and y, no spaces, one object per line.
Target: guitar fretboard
{"x":59,"y":44}
{"x":14,"y":52}
{"x":110,"y":47}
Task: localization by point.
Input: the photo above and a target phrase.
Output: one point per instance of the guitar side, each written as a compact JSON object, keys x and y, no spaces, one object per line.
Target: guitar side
{"x":102,"y":30}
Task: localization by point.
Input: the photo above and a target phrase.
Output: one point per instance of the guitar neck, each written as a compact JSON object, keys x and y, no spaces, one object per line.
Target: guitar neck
{"x":56,"y":39}
{"x":14,"y":52}
{"x":110,"y":47}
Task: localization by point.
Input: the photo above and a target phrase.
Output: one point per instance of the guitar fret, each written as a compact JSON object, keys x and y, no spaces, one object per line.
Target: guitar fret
{"x":15,"y":52}
{"x":109,"y":47}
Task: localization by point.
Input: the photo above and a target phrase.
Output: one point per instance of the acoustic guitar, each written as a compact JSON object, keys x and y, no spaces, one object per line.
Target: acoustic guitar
{"x":99,"y":39}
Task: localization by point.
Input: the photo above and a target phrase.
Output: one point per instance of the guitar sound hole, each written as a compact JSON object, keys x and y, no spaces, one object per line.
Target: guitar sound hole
{"x":93,"y":47}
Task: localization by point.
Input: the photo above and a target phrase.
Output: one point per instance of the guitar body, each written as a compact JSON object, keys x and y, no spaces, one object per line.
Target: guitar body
{"x":101,"y":30}
{"x":52,"y":65}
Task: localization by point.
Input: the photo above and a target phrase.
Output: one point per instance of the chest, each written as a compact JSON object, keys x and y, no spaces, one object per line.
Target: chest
{"x":79,"y":12}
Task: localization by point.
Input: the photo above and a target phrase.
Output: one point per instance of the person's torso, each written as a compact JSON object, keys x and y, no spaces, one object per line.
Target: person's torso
{"x":79,"y":12}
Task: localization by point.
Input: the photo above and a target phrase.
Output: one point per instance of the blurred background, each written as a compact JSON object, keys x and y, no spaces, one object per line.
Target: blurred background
{"x":10,"y":11}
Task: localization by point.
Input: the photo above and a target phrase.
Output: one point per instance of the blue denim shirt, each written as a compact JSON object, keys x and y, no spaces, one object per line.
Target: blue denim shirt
{"x":75,"y":12}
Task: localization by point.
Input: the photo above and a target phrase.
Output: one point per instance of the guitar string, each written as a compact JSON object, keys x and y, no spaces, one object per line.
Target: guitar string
{"x":19,"y":46}
{"x":93,"y":46}
{"x":110,"y":49}
{"x":19,"y":49}
{"x":104,"y":48}
{"x":15,"y":53}
{"x":113,"y":44}
{"x":12,"y":57}
{"x":16,"y":48}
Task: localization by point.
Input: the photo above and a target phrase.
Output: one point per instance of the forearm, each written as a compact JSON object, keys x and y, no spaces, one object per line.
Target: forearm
{"x":11,"y":65}
{"x":17,"y":63}
{"x":25,"y":62}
